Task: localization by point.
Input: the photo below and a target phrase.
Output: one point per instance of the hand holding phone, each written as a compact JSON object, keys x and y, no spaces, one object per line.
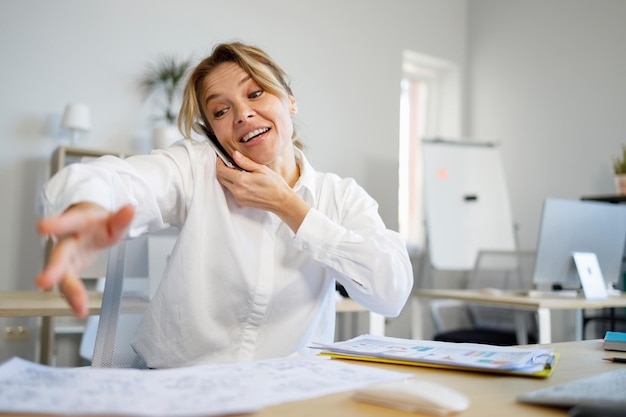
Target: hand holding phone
{"x":219,"y":150}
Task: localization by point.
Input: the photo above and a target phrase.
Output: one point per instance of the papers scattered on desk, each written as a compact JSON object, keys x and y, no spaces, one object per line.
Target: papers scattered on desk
{"x":26,"y":387}
{"x":464,"y":356}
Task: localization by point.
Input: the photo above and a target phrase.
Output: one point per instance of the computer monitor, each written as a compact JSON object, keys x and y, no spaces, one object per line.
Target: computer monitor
{"x":569,"y":226}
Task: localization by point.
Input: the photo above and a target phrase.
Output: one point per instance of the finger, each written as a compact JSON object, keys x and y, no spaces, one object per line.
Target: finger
{"x":65,"y":253}
{"x":245,"y":162}
{"x":226,"y":176}
{"x":118,"y":222}
{"x":60,"y":271}
{"x":226,"y":183}
{"x":47,"y":226}
{"x":75,"y":293}
{"x":105,"y":228}
{"x":72,"y":221}
{"x":58,"y":264}
{"x":223,"y":169}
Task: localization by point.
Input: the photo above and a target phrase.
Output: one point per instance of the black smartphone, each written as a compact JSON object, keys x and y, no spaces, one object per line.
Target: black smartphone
{"x":219,"y":150}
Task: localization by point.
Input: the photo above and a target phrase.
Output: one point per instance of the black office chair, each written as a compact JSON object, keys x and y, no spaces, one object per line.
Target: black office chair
{"x":499,"y":270}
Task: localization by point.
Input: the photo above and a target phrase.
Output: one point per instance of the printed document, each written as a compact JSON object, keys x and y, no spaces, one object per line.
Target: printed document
{"x":27,"y":387}
{"x":460,"y":355}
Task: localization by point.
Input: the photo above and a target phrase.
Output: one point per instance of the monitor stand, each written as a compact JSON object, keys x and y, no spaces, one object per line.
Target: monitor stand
{"x":590,"y":275}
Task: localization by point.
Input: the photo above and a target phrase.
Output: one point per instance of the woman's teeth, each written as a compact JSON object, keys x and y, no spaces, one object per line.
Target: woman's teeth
{"x":254,"y":133}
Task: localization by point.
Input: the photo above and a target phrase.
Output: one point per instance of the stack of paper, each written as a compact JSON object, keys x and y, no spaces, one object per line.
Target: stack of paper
{"x":535,"y":362}
{"x":615,"y":341}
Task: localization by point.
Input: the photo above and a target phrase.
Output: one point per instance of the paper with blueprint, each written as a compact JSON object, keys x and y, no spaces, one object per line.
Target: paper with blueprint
{"x":27,"y":387}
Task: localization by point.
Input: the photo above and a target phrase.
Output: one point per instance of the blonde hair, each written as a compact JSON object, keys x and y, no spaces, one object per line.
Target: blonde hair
{"x":263,"y":70}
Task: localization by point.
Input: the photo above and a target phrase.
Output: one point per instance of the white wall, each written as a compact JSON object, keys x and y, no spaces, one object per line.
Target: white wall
{"x":547,"y":80}
{"x":344,"y":58}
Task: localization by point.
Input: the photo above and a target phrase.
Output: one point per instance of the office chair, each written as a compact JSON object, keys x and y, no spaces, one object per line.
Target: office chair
{"x":134,"y":271}
{"x":88,"y":339}
{"x":503,"y":270}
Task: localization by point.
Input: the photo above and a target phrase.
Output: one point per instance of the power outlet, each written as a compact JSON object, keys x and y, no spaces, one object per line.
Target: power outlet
{"x":16,"y":333}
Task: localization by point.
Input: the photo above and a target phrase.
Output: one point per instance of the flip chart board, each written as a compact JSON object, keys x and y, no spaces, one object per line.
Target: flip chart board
{"x":466,"y":202}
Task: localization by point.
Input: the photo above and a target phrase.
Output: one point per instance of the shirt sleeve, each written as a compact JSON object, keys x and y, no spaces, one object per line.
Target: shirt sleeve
{"x":154,"y":184}
{"x":345,"y":233}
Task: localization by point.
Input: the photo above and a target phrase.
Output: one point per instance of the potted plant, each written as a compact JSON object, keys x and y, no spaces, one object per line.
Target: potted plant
{"x":165,"y":77}
{"x":619,"y":168}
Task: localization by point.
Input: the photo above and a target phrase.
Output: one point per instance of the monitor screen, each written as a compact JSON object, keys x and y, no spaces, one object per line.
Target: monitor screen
{"x":569,"y":226}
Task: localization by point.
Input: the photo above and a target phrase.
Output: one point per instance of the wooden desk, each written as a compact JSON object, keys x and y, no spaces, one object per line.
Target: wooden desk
{"x":490,"y":395}
{"x":42,"y":304}
{"x":49,"y":304}
{"x":53,"y":304}
{"x":541,"y":304}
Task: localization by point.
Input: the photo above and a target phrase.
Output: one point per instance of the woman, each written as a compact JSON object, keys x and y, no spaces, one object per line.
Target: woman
{"x":252,"y":274}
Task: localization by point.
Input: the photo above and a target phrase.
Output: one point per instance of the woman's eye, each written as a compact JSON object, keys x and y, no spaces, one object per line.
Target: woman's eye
{"x":256,"y":94}
{"x":219,"y":113}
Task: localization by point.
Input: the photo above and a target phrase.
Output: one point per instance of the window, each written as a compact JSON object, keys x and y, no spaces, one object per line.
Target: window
{"x":429,"y":108}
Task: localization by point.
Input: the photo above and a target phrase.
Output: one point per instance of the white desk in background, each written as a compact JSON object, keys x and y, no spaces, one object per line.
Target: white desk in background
{"x":541,"y":304}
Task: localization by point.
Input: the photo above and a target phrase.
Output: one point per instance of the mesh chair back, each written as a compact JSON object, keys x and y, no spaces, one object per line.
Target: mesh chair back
{"x":504,"y":270}
{"x":130,"y":283}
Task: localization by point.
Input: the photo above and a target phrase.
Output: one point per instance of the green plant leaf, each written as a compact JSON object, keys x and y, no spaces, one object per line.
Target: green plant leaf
{"x":619,"y":163}
{"x":165,"y":76}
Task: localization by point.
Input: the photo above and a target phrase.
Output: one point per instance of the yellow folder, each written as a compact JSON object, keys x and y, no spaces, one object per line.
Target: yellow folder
{"x":544,"y":373}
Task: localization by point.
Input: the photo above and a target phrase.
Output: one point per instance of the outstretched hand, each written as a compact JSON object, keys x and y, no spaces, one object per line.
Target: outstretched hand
{"x":81,"y":233}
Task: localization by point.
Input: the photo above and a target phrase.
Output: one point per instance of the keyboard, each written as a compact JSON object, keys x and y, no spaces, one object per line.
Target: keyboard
{"x":606,"y":389}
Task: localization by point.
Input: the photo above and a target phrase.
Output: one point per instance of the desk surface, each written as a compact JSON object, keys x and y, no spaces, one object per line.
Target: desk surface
{"x":520,"y":300}
{"x":52,"y":304}
{"x":490,"y":394}
{"x":41,"y":304}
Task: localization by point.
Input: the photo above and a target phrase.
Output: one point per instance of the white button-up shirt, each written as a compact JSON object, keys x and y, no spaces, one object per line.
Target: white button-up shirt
{"x":240,"y":285}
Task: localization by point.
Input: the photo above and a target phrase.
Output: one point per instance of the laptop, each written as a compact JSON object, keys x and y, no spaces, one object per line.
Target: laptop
{"x":607,"y":389}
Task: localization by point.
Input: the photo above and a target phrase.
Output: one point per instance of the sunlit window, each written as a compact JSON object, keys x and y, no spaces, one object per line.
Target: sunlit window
{"x":429,"y":108}
{"x":413,"y":103}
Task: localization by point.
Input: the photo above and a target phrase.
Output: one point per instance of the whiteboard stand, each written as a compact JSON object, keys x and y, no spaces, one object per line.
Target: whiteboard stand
{"x":425,"y":276}
{"x":466,"y":202}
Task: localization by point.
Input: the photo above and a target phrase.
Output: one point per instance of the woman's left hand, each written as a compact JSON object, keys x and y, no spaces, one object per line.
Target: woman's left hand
{"x":262,"y":188}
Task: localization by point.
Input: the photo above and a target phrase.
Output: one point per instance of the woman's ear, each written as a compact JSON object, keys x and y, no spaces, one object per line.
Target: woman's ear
{"x":293,"y":105}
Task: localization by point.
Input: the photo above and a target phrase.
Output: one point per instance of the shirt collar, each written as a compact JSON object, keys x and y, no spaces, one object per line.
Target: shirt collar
{"x":306,"y":182}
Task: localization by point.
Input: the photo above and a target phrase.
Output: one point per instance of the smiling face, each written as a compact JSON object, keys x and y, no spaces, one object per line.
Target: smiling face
{"x":247,"y":118}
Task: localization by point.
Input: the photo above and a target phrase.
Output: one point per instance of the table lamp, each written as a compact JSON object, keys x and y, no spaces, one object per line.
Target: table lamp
{"x":77,"y":119}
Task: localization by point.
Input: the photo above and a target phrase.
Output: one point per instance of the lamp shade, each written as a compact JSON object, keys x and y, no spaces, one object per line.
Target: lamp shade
{"x":76,"y":117}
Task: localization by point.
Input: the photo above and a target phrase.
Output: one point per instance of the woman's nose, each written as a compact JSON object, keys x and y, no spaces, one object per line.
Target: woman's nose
{"x":244,"y":112}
